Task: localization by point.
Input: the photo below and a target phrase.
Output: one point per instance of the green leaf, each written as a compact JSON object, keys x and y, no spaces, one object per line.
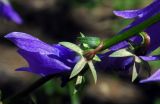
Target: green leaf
{"x":96,"y":58}
{"x":134,"y":72}
{"x":73,"y":47}
{"x":78,"y":67}
{"x":121,"y":53}
{"x":93,"y":42}
{"x":93,"y":70}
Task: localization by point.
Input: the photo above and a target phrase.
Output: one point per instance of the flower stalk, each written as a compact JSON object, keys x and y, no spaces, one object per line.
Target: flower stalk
{"x":131,"y":32}
{"x":28,"y":90}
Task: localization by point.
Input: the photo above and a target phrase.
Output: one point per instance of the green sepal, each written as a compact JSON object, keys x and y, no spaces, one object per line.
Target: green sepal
{"x":79,"y":83}
{"x":73,"y":47}
{"x":93,"y":70}
{"x":134,"y":72}
{"x":121,"y":53}
{"x":137,"y":59}
{"x":92,"y":42}
{"x":96,"y":58}
{"x":78,"y":67}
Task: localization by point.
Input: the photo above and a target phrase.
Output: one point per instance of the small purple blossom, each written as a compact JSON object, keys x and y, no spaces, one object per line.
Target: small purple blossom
{"x":43,"y":59}
{"x":140,"y":16}
{"x":8,"y":12}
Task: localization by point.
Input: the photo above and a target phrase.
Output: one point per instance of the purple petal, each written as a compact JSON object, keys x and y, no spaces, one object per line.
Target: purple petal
{"x":150,"y":58}
{"x":152,"y":78}
{"x":127,"y":14}
{"x":29,"y":43}
{"x":136,"y":39}
{"x":114,"y":62}
{"x":7,"y":11}
{"x":119,"y":46}
{"x":42,"y":64}
{"x":66,"y":55}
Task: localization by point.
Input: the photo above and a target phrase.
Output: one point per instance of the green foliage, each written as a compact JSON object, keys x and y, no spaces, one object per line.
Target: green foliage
{"x":93,"y":70}
{"x":134,"y":71}
{"x":121,"y":53}
{"x":73,"y":47}
{"x":78,"y":67}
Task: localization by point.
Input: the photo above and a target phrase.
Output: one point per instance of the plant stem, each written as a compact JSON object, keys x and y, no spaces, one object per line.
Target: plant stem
{"x":73,"y":97}
{"x":131,"y":32}
{"x":29,"y":89}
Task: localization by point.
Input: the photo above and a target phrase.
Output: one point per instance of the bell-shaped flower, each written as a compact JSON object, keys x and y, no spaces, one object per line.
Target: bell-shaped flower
{"x":43,"y":59}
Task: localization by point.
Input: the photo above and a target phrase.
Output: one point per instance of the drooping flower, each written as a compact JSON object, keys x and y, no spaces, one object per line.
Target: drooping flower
{"x":8,"y":12}
{"x":140,"y":16}
{"x":43,"y":59}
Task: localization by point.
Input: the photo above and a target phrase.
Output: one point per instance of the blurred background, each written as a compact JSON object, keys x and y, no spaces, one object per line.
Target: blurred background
{"x":62,"y":20}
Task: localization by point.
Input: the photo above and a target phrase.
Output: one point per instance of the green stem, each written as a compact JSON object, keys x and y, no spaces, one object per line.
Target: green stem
{"x":29,"y":89}
{"x":131,"y":32}
{"x":73,"y":97}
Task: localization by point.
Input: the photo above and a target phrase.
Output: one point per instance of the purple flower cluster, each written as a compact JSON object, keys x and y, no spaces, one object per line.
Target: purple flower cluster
{"x":8,"y":12}
{"x":45,"y":59}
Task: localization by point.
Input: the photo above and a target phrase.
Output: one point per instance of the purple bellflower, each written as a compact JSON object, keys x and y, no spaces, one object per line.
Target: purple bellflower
{"x":43,"y":59}
{"x":140,"y":16}
{"x":8,"y":12}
